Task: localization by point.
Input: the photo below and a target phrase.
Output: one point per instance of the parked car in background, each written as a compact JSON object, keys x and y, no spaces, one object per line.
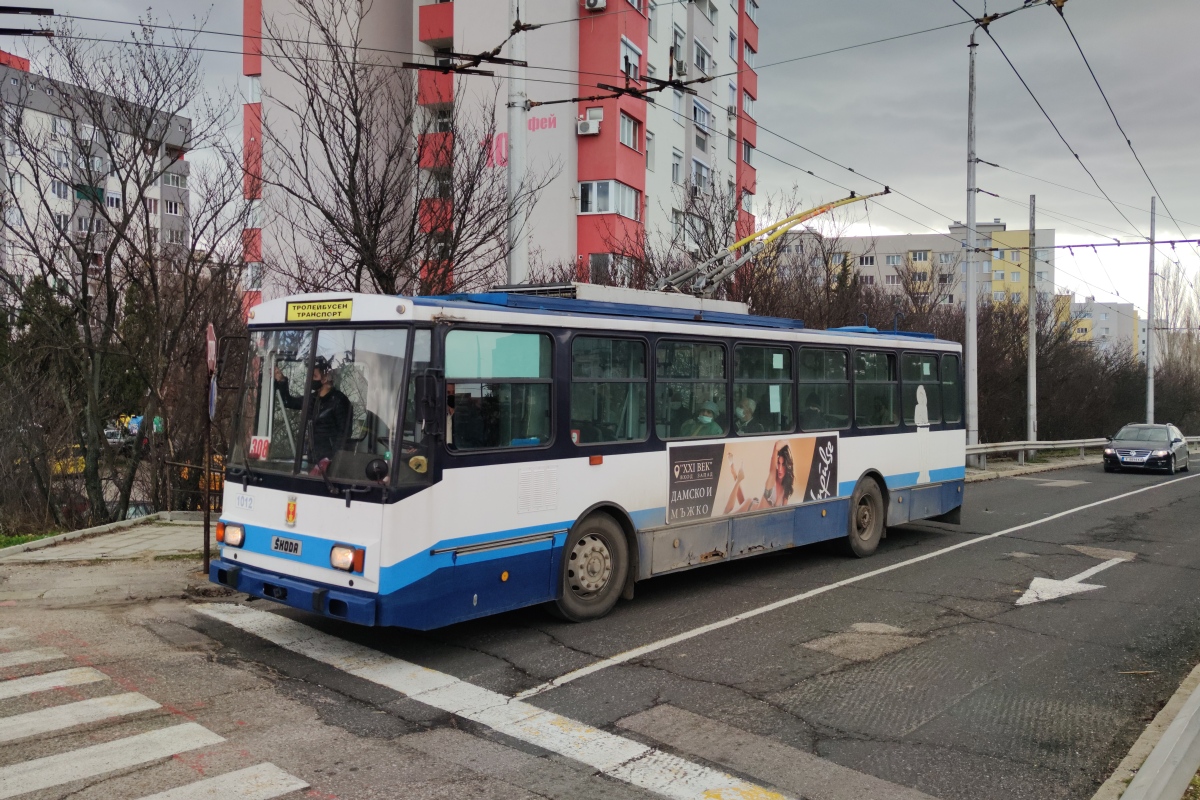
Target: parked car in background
{"x":1147,"y":447}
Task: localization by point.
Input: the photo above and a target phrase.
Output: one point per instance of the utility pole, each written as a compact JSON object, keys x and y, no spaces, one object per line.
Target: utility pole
{"x":1031,"y":378}
{"x":1150,"y":325}
{"x":518,"y":108}
{"x":972,"y":298}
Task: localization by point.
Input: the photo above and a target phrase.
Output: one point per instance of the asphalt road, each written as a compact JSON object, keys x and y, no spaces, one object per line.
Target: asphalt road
{"x":924,"y":678}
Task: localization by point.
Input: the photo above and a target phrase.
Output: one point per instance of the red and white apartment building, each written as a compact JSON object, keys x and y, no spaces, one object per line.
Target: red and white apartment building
{"x":621,"y":163}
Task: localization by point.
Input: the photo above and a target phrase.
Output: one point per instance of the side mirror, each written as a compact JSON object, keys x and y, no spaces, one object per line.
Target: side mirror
{"x":1177,"y":440}
{"x":377,"y":470}
{"x":1109,"y":438}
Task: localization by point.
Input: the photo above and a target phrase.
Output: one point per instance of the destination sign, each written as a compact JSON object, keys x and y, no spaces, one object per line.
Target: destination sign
{"x":320,"y":311}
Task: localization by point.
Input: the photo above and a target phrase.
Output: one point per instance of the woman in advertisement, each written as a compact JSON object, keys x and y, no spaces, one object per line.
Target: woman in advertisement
{"x":781,"y":479}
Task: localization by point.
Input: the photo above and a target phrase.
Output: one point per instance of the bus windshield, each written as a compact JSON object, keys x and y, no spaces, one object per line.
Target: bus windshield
{"x":322,"y":404}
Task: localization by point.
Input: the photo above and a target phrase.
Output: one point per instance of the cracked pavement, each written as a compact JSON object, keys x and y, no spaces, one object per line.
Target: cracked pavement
{"x":927,"y":677}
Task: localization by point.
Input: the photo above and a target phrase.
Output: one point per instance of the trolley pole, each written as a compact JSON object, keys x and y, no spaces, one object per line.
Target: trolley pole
{"x":1031,"y":378}
{"x":518,"y":108}
{"x":1150,"y":348}
{"x":972,"y":298}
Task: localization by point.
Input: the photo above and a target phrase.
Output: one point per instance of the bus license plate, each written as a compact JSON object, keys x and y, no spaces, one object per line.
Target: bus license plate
{"x":289,"y":546}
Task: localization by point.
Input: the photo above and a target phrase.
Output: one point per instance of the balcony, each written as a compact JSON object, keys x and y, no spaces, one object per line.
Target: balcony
{"x":434,"y":88}
{"x":435,"y":214}
{"x":435,"y":150}
{"x":435,"y":24}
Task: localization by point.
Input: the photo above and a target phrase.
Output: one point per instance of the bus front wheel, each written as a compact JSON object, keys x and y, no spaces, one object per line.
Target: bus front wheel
{"x":866,"y":518}
{"x":594,"y":568}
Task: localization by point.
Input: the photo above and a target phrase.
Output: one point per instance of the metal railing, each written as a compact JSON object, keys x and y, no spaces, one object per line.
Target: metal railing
{"x":1021,"y":448}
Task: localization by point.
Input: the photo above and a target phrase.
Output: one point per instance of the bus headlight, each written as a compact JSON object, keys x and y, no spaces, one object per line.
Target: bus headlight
{"x":346,"y":558}
{"x":231,"y":534}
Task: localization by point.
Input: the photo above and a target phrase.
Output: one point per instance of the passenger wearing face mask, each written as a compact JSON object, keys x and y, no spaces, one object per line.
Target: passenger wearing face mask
{"x":329,"y":412}
{"x":745,"y":422}
{"x":704,"y":423}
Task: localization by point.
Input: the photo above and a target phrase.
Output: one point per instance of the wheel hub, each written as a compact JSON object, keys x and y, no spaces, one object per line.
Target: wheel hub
{"x":590,"y":566}
{"x":864,"y":517}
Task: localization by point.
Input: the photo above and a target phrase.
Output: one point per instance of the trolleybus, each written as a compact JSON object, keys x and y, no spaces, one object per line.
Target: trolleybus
{"x":417,"y":462}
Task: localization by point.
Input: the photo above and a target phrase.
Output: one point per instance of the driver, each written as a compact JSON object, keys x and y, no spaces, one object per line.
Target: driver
{"x":329,"y":412}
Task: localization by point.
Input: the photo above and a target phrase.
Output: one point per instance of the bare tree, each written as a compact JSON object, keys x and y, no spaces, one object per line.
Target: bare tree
{"x":101,"y":236}
{"x":377,"y":192}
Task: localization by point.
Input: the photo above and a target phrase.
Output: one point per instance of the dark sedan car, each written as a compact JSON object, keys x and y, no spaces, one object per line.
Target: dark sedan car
{"x":1147,"y":447}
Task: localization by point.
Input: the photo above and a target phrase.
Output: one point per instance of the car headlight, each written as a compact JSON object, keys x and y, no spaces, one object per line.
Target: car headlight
{"x":231,"y":534}
{"x":346,"y":558}
{"x":1108,"y":451}
{"x":1161,"y":453}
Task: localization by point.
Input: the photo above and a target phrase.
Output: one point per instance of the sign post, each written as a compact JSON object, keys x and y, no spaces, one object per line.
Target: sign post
{"x":210,"y":337}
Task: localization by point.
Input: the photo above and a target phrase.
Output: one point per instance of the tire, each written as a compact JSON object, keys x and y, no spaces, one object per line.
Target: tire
{"x":867,"y":517}
{"x":595,"y":566}
{"x":1172,"y":467}
{"x":1187,"y":463}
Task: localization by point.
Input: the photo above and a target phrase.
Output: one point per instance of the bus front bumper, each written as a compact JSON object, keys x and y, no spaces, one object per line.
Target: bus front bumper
{"x":330,"y":601}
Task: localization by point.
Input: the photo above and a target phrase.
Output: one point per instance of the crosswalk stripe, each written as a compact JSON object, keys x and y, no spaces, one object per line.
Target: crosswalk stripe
{"x":56,"y":718}
{"x":42,"y":773}
{"x":50,"y":680}
{"x":19,"y":657}
{"x":615,"y":756}
{"x":261,"y":782}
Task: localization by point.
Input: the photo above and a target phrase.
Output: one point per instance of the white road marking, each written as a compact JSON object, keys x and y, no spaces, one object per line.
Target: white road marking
{"x":67,"y":716}
{"x":19,"y":657}
{"x":615,"y":756}
{"x":87,"y":762}
{"x":261,"y":782}
{"x":50,"y":680}
{"x":646,"y":649}
{"x":1041,"y":589}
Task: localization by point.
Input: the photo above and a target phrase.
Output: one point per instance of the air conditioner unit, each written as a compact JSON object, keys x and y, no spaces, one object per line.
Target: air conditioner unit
{"x":595,"y":5}
{"x":587,"y":127}
{"x":680,"y":67}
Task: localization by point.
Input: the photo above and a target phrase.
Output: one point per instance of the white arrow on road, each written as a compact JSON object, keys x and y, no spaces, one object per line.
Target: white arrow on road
{"x":1045,"y":589}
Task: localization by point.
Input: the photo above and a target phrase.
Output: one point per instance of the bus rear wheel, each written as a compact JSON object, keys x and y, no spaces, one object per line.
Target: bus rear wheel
{"x":594,"y":568}
{"x":866,"y":518}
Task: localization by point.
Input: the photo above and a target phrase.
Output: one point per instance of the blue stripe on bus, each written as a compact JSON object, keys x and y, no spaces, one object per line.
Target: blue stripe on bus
{"x":948,"y":474}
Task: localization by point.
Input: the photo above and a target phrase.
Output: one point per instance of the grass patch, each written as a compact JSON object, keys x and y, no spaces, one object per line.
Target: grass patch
{"x":9,"y":541}
{"x":1193,"y":790}
{"x":180,"y":557}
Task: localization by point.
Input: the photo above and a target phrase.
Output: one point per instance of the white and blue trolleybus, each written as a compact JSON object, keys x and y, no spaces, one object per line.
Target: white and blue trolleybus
{"x":421,"y":461}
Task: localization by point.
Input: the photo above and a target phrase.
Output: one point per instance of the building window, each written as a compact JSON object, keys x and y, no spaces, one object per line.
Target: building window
{"x":748,"y":153}
{"x":60,"y":127}
{"x":701,"y":175}
{"x":945,"y":258}
{"x":892,"y":280}
{"x":866,"y":261}
{"x":752,"y":10}
{"x":1041,"y":276}
{"x":175,"y":235}
{"x":867,"y":280}
{"x":650,"y":151}
{"x":676,"y":166}
{"x":676,"y":223}
{"x":151,"y":205}
{"x":945,"y":279}
{"x":748,"y":104}
{"x":609,"y":197}
{"x":112,"y":200}
{"x":631,"y":60}
{"x":747,"y":202}
{"x":175,"y":180}
{"x":253,"y":276}
{"x":998,"y":275}
{"x":1015,"y":277}
{"x":173,"y":208}
{"x":920,"y":256}
{"x":731,"y":149}
{"x":703,"y":58}
{"x":677,"y":105}
{"x":1042,"y":255}
{"x":652,"y":20}
{"x":733,"y":42}
{"x":608,"y":390}
{"x":733,"y":95}
{"x":636,"y":4}
{"x":677,"y":39}
{"x":920,"y":277}
{"x":62,"y":222}
{"x":997,"y":255}
{"x":253,"y":89}
{"x":998,"y":296}
{"x":631,"y":131}
{"x":1015,"y":297}
{"x":1104,"y":315}
{"x":751,"y":56}
{"x":894,"y":260}
{"x":1081,"y":331}
{"x":1014,"y":255}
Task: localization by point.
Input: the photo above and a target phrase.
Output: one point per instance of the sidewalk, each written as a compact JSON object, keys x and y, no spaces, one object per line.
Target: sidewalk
{"x":1010,"y":469}
{"x":140,"y":541}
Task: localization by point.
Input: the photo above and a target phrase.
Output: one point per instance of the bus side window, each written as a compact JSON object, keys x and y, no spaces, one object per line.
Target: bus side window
{"x":608,"y":390}
{"x":502,"y":389}
{"x":920,"y":377}
{"x":824,"y":390}
{"x":875,"y":389}
{"x":951,"y":390}
{"x":762,"y":389}
{"x":690,"y":390}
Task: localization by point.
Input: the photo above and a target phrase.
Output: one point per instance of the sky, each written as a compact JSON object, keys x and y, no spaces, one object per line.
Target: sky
{"x":896,"y":111}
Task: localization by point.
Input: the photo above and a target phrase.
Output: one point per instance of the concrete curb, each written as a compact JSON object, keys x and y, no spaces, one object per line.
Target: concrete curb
{"x":1031,"y":469}
{"x":1156,"y":764}
{"x":159,"y":516}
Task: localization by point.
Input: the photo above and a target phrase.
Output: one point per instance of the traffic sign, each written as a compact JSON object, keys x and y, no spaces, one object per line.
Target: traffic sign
{"x":210,"y":337}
